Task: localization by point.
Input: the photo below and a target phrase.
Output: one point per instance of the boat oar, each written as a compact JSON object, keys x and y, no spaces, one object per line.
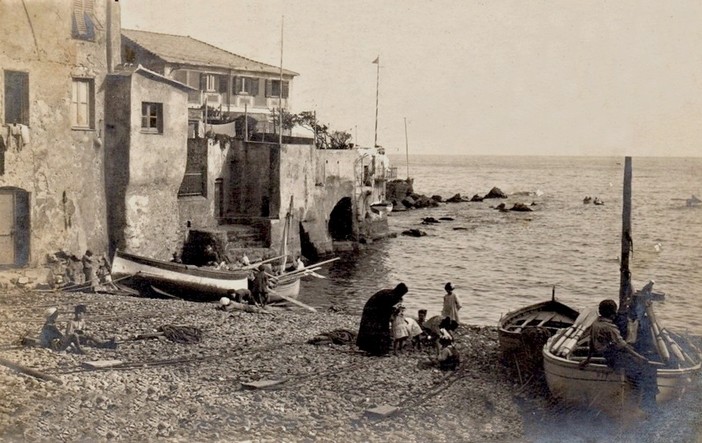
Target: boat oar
{"x":295,"y":302}
{"x":257,"y":264}
{"x":660,"y":343}
{"x":674,"y":347}
{"x":570,"y":343}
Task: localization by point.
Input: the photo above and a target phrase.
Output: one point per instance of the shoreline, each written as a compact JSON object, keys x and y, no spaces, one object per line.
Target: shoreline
{"x":193,"y":392}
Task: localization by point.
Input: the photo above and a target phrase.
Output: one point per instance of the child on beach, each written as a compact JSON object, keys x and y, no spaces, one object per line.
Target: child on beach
{"x":400,"y":328}
{"x":449,"y":358}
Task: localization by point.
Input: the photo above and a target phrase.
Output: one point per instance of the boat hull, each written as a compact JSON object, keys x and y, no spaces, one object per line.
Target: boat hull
{"x":551,"y":315}
{"x":288,"y":289}
{"x":596,"y":385}
{"x":177,"y":279}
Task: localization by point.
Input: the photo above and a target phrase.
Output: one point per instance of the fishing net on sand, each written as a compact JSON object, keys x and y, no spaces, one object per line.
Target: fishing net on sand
{"x":181,"y":334}
{"x":337,"y":337}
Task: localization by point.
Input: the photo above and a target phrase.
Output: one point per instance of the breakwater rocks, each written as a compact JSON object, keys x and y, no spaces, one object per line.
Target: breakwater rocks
{"x":401,"y":194}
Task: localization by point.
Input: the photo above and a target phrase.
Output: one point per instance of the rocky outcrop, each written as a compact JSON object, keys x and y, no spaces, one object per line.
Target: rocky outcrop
{"x":429,"y":221}
{"x":521,"y":207}
{"x":414,"y":233}
{"x":476,"y":198}
{"x":455,"y":199}
{"x":495,"y":193}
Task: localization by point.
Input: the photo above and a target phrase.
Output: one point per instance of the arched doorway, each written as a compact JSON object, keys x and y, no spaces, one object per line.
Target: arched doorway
{"x":341,"y":220}
{"x":14,"y":227}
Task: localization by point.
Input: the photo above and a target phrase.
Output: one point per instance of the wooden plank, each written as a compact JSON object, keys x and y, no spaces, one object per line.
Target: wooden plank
{"x":261,"y":384}
{"x":101,"y":364}
{"x":547,"y":319}
{"x":381,"y":411}
{"x":29,"y":371}
{"x":526,"y":322}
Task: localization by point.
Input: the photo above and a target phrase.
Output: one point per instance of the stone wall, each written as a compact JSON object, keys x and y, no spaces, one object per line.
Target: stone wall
{"x":60,"y":167}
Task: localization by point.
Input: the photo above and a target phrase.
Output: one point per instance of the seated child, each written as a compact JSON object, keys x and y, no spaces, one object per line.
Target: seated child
{"x":51,"y":337}
{"x":449,"y":358}
{"x":76,"y":327}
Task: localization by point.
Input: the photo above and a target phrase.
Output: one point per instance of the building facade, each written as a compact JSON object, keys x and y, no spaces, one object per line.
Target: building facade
{"x":55,"y":57}
{"x":228,"y":87}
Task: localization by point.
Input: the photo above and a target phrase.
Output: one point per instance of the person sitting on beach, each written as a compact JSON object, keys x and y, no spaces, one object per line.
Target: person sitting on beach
{"x":51,"y":337}
{"x":415,"y":333}
{"x":400,"y":328}
{"x":448,"y":359}
{"x":77,"y":327}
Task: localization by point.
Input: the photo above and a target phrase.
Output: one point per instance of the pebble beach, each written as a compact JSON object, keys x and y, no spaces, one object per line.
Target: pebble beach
{"x":166,"y":391}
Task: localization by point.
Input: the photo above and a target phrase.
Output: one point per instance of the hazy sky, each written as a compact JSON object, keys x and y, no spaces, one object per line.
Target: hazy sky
{"x":474,"y":77}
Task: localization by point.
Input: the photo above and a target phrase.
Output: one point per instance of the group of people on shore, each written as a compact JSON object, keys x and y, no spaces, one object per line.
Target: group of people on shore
{"x":88,"y":271}
{"x":384,"y":326}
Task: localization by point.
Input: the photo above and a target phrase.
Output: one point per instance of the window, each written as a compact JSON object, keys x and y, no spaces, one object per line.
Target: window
{"x":246,"y":86}
{"x":83,"y":26}
{"x":152,"y":117}
{"x":210,"y":82}
{"x":273,"y":88}
{"x":16,"y":97}
{"x":195,"y":179}
{"x":82,"y":114}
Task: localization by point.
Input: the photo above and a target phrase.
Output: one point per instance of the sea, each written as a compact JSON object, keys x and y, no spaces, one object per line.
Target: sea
{"x":501,"y":261}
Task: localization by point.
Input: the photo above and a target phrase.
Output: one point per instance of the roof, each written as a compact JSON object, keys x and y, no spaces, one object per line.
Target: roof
{"x":187,"y":50}
{"x":127,"y":70}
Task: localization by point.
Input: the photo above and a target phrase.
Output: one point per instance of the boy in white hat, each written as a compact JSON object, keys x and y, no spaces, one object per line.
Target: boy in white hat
{"x":52,"y":338}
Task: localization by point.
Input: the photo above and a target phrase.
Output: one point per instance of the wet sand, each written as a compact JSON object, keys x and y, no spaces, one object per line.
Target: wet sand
{"x":194,"y":392}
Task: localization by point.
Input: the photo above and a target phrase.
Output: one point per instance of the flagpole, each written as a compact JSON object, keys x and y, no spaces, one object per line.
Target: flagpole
{"x":280,"y":90}
{"x":407,"y":148}
{"x":377,"y":88}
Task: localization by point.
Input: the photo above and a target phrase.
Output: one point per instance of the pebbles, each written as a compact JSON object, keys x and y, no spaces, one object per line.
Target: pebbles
{"x":326,"y":392}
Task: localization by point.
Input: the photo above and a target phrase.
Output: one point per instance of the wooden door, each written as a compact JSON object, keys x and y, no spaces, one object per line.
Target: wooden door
{"x":7,"y":228}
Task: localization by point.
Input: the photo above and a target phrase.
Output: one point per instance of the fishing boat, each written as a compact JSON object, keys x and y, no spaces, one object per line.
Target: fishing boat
{"x":550,"y":315}
{"x":382,"y":207}
{"x":180,"y":280}
{"x":676,"y":359}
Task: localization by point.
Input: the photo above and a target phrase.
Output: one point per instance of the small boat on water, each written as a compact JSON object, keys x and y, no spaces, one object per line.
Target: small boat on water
{"x":550,"y":315}
{"x":184,"y":281}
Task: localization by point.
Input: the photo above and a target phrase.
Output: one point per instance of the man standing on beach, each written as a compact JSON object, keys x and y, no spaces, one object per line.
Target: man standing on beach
{"x":374,"y":335}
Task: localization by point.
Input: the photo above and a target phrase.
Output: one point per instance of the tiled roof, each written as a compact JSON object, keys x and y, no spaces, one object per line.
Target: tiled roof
{"x":127,"y":70}
{"x":187,"y":50}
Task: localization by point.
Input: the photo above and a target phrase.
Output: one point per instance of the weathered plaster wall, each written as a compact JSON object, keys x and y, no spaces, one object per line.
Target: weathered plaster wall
{"x":156,"y":169}
{"x":61,"y":168}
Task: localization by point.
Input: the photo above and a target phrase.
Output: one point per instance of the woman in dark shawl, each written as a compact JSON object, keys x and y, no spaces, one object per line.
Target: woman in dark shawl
{"x":374,"y":335}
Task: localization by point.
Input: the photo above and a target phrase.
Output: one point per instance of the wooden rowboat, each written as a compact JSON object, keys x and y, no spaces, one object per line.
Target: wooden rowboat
{"x":184,"y":281}
{"x":550,"y":315}
{"x":598,"y":386}
{"x":285,"y":290}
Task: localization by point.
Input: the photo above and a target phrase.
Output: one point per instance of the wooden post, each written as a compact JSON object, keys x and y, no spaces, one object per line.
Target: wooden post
{"x":625,"y":274}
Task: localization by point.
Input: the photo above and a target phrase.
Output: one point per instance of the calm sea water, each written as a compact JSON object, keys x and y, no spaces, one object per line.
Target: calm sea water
{"x":503,"y":261}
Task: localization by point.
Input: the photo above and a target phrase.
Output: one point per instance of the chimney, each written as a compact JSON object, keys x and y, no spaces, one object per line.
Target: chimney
{"x":114,"y":35}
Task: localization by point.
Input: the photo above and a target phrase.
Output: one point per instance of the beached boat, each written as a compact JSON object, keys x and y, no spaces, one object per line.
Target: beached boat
{"x":550,"y":315}
{"x":676,"y":359}
{"x":184,"y":281}
{"x":382,"y":207}
{"x":598,"y":386}
{"x":286,"y":289}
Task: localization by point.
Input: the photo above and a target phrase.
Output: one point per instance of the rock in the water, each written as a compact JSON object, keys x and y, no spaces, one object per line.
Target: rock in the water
{"x":460,"y":228}
{"x":455,"y":199}
{"x":414,"y":233}
{"x":437,"y":198}
{"x":521,"y":207}
{"x":476,"y":198}
{"x":495,"y":193}
{"x":501,"y":207}
{"x":447,"y":218}
{"x":429,"y":221}
{"x":408,"y":202}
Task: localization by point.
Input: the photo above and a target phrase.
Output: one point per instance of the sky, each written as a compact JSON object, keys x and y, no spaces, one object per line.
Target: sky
{"x":473,"y":77}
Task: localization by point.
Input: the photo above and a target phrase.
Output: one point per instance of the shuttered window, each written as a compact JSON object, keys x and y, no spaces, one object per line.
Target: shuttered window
{"x":246,"y":86}
{"x":273,"y":88}
{"x":16,"y":97}
{"x":152,"y":117}
{"x":195,"y":179}
{"x":223,"y":84}
{"x":82,"y":104}
{"x":83,"y":20}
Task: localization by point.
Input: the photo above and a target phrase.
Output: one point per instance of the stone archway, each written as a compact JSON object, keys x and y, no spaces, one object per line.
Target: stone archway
{"x":341,"y":220}
{"x":14,"y":227}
